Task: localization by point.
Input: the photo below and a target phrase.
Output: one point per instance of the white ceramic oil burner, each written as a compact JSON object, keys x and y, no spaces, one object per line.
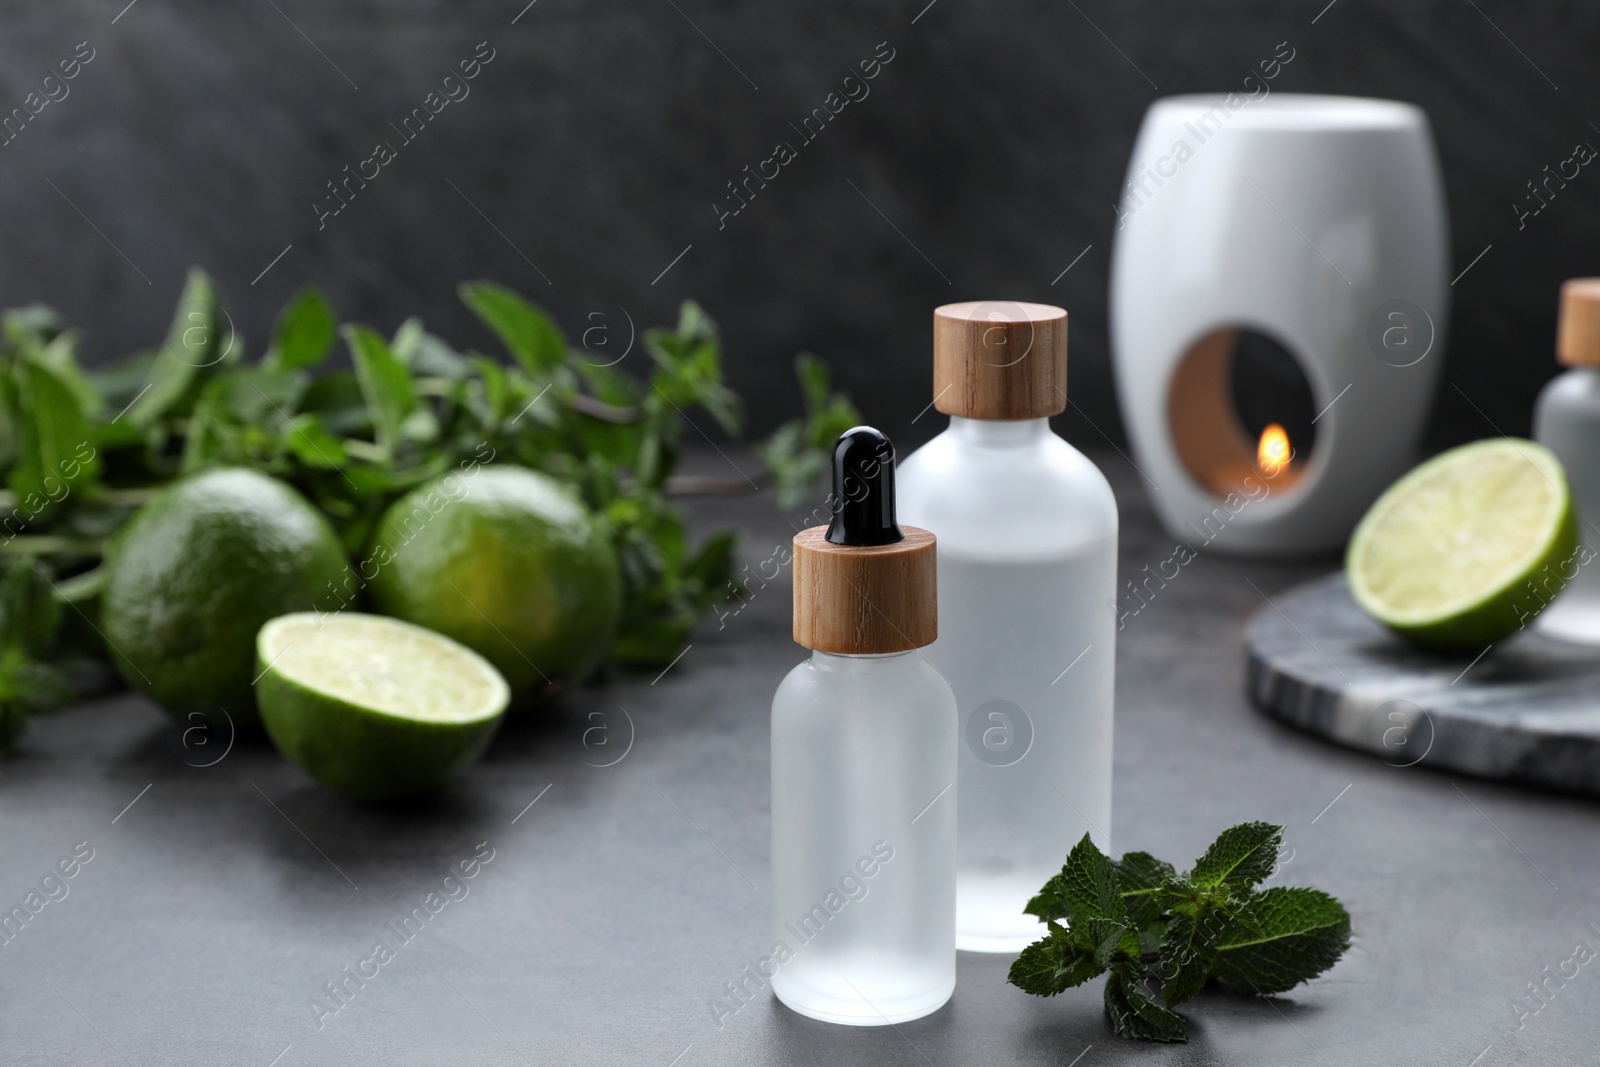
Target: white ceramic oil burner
{"x":1318,"y":223}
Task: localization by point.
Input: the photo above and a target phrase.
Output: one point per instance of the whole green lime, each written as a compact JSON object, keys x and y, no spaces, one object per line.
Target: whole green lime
{"x":196,"y":572}
{"x":507,"y":562}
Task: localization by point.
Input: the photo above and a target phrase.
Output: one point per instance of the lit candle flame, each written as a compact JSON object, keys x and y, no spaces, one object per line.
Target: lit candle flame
{"x":1272,"y":454}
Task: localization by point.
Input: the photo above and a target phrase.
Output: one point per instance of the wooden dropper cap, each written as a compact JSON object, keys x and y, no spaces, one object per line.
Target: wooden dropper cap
{"x":999,"y":359}
{"x":1578,"y":325}
{"x":864,"y":584}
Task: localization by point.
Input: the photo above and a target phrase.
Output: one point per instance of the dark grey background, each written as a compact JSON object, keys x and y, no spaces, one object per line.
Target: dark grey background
{"x":595,"y":143}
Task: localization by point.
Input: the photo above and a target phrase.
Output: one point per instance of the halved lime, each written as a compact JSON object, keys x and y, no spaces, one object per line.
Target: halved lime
{"x":375,"y":708}
{"x":1467,"y":548}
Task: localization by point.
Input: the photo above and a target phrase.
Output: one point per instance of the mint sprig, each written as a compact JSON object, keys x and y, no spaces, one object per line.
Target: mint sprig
{"x":1162,"y":936}
{"x":799,"y":452}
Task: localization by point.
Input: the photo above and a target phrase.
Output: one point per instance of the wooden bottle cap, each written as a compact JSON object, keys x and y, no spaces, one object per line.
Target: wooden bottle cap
{"x":1578,"y":326}
{"x":865,"y":599}
{"x":1000,"y":359}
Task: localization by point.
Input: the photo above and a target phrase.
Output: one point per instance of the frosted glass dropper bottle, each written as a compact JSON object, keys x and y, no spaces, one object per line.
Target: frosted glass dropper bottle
{"x":1027,"y":530}
{"x":864,"y":766}
{"x":1566,"y":420}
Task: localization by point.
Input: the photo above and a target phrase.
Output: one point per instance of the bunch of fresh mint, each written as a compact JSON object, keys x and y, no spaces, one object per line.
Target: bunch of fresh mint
{"x":81,"y":449}
{"x":353,"y":419}
{"x":1163,"y":934}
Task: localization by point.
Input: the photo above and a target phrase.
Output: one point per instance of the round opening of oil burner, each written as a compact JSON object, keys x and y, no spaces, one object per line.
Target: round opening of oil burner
{"x":1240,"y":407}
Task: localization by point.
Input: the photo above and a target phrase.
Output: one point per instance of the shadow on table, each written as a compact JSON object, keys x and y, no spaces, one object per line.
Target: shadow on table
{"x":802,"y":1041}
{"x":319,"y":847}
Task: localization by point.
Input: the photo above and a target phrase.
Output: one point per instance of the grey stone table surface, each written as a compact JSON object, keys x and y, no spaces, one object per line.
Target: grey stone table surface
{"x":620,"y":899}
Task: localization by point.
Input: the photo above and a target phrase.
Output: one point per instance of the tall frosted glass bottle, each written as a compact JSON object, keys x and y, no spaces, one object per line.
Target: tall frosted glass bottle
{"x":1566,"y":420}
{"x":864,"y":766}
{"x":1027,"y":530}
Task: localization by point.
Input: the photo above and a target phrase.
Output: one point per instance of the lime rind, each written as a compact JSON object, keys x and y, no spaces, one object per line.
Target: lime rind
{"x":1449,"y":556}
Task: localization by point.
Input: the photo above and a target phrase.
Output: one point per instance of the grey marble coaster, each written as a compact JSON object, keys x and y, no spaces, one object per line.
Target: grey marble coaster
{"x":1527,"y":711}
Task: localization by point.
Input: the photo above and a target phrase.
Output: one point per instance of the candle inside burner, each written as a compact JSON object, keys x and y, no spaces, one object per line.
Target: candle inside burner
{"x":1273,"y":452}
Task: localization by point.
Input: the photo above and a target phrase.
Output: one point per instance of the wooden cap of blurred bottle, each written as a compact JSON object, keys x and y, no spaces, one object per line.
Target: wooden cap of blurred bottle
{"x":1578,"y":326}
{"x":1000,"y":359}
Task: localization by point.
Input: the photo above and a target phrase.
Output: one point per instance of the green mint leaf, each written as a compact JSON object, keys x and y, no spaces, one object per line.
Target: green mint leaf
{"x":422,"y":427}
{"x":27,"y":688}
{"x":1242,"y":856}
{"x":689,"y":368}
{"x":259,"y":396}
{"x":52,"y":437}
{"x":1047,"y":966}
{"x":828,"y":413}
{"x":1142,"y":872}
{"x":428,"y":356}
{"x":30,"y":618}
{"x":199,"y":338}
{"x":205,"y":437}
{"x":712,"y":565}
{"x":496,"y":390}
{"x":531,"y":336}
{"x":45,"y":686}
{"x":119,"y":382}
{"x":305,"y":332}
{"x":693,"y":322}
{"x":1065,"y":958}
{"x":30,"y":611}
{"x":1150,"y":938}
{"x":336,"y":399}
{"x":1088,"y":884}
{"x":611,"y":386}
{"x":1105,"y":938}
{"x":1142,"y":876}
{"x":1286,"y":936}
{"x":814,"y":378}
{"x":1134,"y":1014}
{"x":385,"y":384}
{"x":32,"y":326}
{"x":797,"y":454}
{"x":783,"y":455}
{"x":1180,"y":896}
{"x":1187,"y":954}
{"x":653,"y":642}
{"x":614,"y":445}
{"x":1049,"y":903}
{"x":311,"y":442}
{"x":60,"y":355}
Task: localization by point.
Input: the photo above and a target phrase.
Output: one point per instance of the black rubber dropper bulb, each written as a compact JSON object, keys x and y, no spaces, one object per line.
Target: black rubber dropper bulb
{"x":863,"y":490}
